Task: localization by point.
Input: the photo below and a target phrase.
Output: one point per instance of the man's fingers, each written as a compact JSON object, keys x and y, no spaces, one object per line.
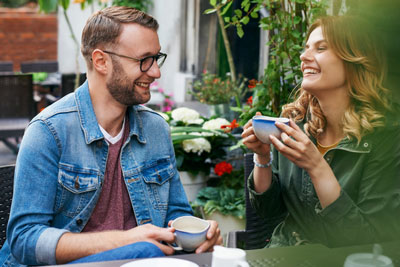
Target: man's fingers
{"x":209,"y":243}
{"x":167,"y":250}
{"x":213,"y":228}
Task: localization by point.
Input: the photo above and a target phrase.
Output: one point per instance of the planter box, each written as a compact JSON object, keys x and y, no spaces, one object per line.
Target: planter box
{"x":192,"y":183}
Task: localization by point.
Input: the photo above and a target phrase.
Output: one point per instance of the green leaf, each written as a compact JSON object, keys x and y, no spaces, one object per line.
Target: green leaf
{"x":245,"y":3}
{"x":246,"y":6}
{"x":296,"y":34}
{"x":239,"y":30}
{"x":245,"y":20}
{"x":254,"y":15}
{"x":210,"y":11}
{"x":213,"y":2}
{"x":226,"y":8}
{"x":64,"y":4}
{"x":297,"y":20}
{"x":284,"y":55}
{"x":48,"y":6}
{"x":227,"y":19}
{"x":236,"y":109}
{"x":238,"y":12}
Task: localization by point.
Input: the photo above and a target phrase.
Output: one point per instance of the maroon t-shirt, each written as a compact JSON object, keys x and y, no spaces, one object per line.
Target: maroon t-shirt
{"x":114,"y":209}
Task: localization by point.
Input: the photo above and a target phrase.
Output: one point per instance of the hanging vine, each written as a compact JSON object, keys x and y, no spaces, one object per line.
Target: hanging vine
{"x":286,"y":23}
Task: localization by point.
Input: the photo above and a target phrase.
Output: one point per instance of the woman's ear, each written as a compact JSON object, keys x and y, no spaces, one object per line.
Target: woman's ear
{"x":100,"y":61}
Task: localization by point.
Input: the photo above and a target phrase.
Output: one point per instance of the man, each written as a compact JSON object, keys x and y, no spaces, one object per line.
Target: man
{"x":96,"y":171}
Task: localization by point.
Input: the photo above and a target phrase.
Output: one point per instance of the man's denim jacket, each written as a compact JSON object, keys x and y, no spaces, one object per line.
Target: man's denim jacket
{"x":60,"y":170}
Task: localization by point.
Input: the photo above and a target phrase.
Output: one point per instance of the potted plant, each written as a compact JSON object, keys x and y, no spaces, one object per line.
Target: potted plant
{"x":198,"y":143}
{"x":224,"y":200}
{"x":219,"y":92}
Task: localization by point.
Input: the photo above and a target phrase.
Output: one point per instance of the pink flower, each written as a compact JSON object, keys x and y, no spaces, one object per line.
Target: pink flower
{"x":154,"y":85}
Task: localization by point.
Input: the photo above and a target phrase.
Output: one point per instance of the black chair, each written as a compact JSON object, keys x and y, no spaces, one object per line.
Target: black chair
{"x":39,"y":66}
{"x":16,"y":106}
{"x":68,"y":82}
{"x":258,"y":230}
{"x":6,"y":193}
{"x":6,"y":67}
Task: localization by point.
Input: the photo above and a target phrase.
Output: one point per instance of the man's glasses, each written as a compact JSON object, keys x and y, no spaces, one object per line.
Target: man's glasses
{"x":146,"y":62}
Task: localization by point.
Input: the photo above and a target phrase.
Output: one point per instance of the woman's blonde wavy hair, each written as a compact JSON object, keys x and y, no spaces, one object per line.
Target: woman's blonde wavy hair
{"x":365,"y":70}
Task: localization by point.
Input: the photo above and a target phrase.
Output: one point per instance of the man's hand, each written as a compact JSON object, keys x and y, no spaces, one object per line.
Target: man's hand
{"x":155,"y":235}
{"x":213,"y":238}
{"x":72,"y":246}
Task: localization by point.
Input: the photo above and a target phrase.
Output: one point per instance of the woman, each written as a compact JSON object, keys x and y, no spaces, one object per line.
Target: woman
{"x":336,"y":169}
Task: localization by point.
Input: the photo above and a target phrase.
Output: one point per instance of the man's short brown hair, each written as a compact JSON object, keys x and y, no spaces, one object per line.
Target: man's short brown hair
{"x":104,"y":27}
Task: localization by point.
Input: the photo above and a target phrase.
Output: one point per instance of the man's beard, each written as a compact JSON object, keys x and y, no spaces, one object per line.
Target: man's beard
{"x":122,"y":88}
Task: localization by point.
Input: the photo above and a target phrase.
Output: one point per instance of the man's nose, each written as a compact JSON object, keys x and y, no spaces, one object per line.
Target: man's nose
{"x":154,"y":71}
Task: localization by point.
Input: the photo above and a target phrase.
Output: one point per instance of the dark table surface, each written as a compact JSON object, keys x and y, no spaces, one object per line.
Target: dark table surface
{"x":304,"y":256}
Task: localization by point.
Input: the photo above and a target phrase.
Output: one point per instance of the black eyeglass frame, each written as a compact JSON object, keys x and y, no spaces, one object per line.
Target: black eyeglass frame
{"x":153,"y":57}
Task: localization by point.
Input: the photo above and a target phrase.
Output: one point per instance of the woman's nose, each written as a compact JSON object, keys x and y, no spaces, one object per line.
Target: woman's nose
{"x":306,"y":55}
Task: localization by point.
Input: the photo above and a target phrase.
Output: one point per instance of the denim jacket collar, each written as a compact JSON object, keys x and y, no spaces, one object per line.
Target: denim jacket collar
{"x":89,"y":122}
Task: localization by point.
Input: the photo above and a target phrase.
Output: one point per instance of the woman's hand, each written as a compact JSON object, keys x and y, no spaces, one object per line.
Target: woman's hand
{"x":251,"y":141}
{"x":297,"y":146}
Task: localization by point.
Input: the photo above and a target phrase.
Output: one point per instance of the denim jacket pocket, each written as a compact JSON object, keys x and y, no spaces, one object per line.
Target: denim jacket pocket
{"x":77,"y":186}
{"x":157,"y":176}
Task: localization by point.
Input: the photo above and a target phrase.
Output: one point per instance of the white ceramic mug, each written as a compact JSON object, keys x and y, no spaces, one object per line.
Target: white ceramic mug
{"x":190,"y":232}
{"x":367,"y":260}
{"x":228,"y":257}
{"x":264,"y":126}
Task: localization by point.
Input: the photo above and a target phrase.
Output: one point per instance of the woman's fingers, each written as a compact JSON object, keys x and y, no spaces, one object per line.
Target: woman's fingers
{"x":287,"y":146}
{"x":292,"y":130}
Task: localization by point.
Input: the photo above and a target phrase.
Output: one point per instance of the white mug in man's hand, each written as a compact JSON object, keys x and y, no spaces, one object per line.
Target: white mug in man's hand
{"x":190,"y":232}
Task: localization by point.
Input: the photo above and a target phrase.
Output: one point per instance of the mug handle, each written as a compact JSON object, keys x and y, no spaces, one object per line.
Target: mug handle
{"x":176,"y":248}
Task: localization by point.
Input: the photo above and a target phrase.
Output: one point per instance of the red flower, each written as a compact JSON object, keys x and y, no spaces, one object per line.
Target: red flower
{"x":231,"y":126}
{"x":250,"y":101}
{"x":222,"y":168}
{"x":253,"y":83}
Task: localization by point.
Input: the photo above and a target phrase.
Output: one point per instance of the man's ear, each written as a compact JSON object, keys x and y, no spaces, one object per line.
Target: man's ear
{"x":100,"y":61}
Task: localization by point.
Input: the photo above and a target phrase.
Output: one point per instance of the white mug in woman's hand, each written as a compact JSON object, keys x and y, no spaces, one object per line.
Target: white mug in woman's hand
{"x":264,"y":126}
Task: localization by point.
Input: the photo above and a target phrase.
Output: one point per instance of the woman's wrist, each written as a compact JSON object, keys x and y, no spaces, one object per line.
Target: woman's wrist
{"x":262,"y":161}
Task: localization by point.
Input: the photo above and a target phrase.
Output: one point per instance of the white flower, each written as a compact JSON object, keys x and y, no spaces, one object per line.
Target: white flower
{"x":162,"y":114}
{"x":215,"y":124}
{"x":196,"y":145}
{"x":187,"y":115}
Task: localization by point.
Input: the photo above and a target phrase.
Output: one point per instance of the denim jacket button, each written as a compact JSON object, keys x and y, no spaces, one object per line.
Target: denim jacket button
{"x":99,"y":144}
{"x":76,"y":185}
{"x":79,"y":221}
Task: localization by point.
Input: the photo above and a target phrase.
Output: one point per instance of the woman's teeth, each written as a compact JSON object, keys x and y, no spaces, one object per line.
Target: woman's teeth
{"x":310,"y":71}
